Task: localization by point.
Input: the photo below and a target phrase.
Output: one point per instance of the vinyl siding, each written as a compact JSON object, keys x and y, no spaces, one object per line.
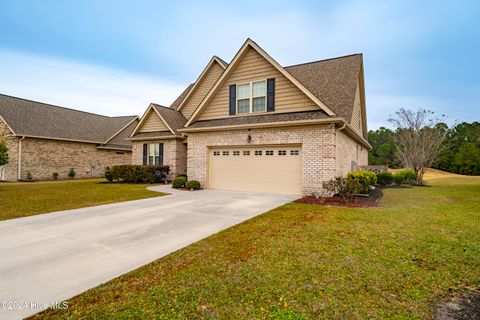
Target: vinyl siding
{"x":153,"y":123}
{"x":252,"y":66}
{"x":205,"y":84}
{"x":357,"y":111}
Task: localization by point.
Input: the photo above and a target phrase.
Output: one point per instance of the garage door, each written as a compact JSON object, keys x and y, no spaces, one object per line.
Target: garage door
{"x":261,"y":169}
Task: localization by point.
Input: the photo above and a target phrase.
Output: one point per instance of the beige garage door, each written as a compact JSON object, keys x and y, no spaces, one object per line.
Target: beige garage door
{"x":262,"y":169}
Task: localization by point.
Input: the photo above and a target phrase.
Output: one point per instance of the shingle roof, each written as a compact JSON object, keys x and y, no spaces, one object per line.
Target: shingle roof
{"x":264,"y":118}
{"x":31,"y":118}
{"x":333,"y":81}
{"x":175,"y":104}
{"x":175,"y":119}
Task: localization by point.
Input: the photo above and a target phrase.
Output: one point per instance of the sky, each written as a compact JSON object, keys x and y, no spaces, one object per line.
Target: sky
{"x":115,"y":57}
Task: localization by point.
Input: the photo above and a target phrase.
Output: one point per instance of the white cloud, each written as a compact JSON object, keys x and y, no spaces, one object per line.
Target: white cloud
{"x":81,"y":86}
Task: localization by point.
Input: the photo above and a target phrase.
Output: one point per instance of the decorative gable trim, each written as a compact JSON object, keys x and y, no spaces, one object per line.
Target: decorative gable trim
{"x":144,"y":117}
{"x":231,"y":66}
{"x":214,"y":59}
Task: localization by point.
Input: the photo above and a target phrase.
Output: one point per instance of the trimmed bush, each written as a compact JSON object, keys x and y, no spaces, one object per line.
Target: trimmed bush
{"x":404,"y":176}
{"x":71,"y":173}
{"x":182,"y":175}
{"x":193,"y":184}
{"x":29,"y":176}
{"x":137,"y":173}
{"x":365,"y":179}
{"x":55,"y":176}
{"x":384,"y":179}
{"x":179,"y":182}
{"x":344,"y":187}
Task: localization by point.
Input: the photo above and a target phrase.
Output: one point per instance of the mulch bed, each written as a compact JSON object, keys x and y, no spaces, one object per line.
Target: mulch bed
{"x":463,"y":307}
{"x":372,"y":201}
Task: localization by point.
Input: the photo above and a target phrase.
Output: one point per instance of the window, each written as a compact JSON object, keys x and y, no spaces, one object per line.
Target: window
{"x":294,"y":152}
{"x":153,"y":154}
{"x":252,"y":97}
{"x":216,"y":153}
{"x":225,"y":153}
{"x":243,"y":96}
{"x":236,"y":153}
{"x":282,"y":152}
{"x":258,"y":152}
{"x":269,"y":152}
{"x":246,"y":153}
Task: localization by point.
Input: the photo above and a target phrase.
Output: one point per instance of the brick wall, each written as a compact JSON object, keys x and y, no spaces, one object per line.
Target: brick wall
{"x":349,"y":150}
{"x":43,"y":157}
{"x":318,"y":150}
{"x":174,"y":154}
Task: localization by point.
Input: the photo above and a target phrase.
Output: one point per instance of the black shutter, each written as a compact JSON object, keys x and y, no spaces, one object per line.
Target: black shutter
{"x":271,"y":94}
{"x":145,"y":159}
{"x":160,"y":154}
{"x":233,"y":100}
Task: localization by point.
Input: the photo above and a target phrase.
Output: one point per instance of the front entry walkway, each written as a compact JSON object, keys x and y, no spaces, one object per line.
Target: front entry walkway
{"x":52,"y":257}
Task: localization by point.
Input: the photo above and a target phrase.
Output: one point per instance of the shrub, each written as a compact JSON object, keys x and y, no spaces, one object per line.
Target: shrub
{"x":193,"y":184}
{"x":405,"y":176}
{"x":182,"y":175}
{"x":55,"y":176}
{"x":179,"y":182}
{"x":29,"y":176}
{"x":344,"y":187}
{"x":71,"y":173}
{"x":365,"y":179}
{"x":384,"y":179}
{"x":137,"y":173}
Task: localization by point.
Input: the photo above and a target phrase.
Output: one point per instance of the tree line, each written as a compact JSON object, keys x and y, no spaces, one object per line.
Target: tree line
{"x":459,"y":152}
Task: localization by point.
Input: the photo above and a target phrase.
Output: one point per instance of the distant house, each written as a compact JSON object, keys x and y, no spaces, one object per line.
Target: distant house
{"x":43,"y":139}
{"x":253,"y":125}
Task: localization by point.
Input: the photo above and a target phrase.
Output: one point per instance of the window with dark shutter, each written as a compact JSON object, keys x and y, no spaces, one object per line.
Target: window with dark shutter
{"x":270,"y":94}
{"x":145,"y":157}
{"x":233,"y":100}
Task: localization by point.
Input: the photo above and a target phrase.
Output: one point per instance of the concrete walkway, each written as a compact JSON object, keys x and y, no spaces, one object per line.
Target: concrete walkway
{"x":52,"y":257}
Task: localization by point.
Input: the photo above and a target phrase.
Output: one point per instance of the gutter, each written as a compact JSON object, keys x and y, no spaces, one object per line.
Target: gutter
{"x":19,"y":158}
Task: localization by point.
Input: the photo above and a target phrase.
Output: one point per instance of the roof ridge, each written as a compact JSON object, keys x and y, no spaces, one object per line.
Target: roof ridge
{"x":55,"y":106}
{"x":322,"y":60}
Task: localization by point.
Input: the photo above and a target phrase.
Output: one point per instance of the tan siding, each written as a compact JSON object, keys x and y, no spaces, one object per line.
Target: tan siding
{"x":252,"y":66}
{"x":357,"y":111}
{"x":202,"y":89}
{"x":153,"y":123}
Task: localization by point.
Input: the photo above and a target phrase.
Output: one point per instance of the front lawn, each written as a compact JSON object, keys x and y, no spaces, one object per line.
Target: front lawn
{"x":303,"y":261}
{"x":22,"y":199}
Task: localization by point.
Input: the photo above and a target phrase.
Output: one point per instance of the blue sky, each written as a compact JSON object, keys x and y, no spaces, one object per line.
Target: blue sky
{"x":114,"y":57}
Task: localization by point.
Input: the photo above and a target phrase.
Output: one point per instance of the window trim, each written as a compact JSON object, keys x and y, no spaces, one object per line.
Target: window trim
{"x":156,"y":153}
{"x":251,"y":97}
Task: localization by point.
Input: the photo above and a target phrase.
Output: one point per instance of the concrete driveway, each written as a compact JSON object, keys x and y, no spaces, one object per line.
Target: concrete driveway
{"x":52,"y":257}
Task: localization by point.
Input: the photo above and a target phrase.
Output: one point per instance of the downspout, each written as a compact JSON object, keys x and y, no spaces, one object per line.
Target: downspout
{"x":19,"y":169}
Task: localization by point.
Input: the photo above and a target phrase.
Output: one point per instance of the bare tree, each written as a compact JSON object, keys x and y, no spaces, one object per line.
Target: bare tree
{"x":419,"y":139}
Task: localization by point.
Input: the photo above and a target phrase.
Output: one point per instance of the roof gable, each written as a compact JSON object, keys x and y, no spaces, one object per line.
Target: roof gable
{"x":202,"y":86}
{"x":250,"y":44}
{"x":158,"y":118}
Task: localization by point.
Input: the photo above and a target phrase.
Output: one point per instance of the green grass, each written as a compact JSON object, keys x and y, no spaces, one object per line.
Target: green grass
{"x":22,"y":199}
{"x":308,"y":262}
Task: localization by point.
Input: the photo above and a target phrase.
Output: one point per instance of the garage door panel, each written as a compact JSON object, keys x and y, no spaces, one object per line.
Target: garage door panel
{"x":263,"y":173}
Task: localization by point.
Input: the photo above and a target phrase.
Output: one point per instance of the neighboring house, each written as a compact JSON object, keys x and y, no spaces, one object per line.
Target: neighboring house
{"x":43,"y":139}
{"x":253,"y":125}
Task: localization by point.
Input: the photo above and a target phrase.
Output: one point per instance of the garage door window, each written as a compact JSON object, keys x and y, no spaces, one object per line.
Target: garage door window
{"x":269,"y":152}
{"x":258,"y":152}
{"x":282,"y":152}
{"x":236,"y":153}
{"x":216,"y":153}
{"x":294,"y":152}
{"x":225,"y":153}
{"x":246,"y":153}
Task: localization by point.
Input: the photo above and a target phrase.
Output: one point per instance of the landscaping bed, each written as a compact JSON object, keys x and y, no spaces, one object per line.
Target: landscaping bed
{"x":372,"y":200}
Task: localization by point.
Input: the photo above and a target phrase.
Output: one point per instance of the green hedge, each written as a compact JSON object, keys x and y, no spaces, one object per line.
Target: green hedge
{"x":193,"y":184}
{"x":405,"y":176}
{"x":137,"y":173}
{"x":365,"y":179}
{"x":384,"y":179}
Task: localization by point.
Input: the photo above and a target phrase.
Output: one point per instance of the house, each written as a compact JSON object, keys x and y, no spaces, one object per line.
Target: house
{"x":43,"y":139}
{"x":254,"y":125}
